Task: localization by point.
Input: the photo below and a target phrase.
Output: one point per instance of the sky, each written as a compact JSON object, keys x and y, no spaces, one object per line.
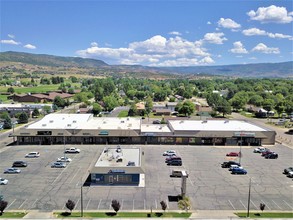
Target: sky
{"x":151,"y":33}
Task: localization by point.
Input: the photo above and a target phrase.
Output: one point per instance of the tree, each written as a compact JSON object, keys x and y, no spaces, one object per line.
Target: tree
{"x":115,"y":205}
{"x":224,"y":107}
{"x":23,"y":118}
{"x":7,"y":120}
{"x":35,"y":113}
{"x":262,"y":206}
{"x":187,"y":108}
{"x":70,"y":205}
{"x":59,"y":102}
{"x":163,"y":205}
{"x":184,"y":204}
{"x":10,"y":90}
{"x":133,"y":110}
{"x":110,"y":102}
{"x":3,"y":205}
{"x":96,"y":109}
{"x":148,"y":105}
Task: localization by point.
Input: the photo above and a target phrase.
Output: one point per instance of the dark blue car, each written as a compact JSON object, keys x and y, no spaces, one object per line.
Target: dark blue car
{"x":238,"y":171}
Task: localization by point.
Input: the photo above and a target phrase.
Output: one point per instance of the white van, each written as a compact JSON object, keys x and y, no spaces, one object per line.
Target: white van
{"x":32,"y":154}
{"x":179,"y":173}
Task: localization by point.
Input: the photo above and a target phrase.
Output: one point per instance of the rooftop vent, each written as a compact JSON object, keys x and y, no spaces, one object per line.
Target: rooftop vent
{"x":104,"y":122}
{"x":44,"y":125}
{"x":51,"y":121}
{"x":74,"y":121}
{"x":227,"y":121}
{"x":205,"y":121}
{"x":181,"y":122}
{"x":68,"y":125}
{"x":122,"y":121}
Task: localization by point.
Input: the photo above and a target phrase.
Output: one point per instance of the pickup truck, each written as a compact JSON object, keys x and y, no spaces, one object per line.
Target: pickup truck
{"x":72,"y":150}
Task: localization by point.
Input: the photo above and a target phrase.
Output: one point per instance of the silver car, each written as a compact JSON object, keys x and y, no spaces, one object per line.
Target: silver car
{"x":12,"y":170}
{"x":64,"y":159}
{"x":3,"y":181}
{"x":58,"y":165}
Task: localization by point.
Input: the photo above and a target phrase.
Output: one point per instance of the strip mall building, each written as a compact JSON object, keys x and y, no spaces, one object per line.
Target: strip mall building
{"x":86,"y":129}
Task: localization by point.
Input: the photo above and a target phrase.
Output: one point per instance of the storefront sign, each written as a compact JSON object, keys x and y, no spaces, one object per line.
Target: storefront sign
{"x":244,"y":134}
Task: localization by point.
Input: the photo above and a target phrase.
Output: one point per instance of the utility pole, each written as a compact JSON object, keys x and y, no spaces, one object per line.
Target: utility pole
{"x":248,"y":203}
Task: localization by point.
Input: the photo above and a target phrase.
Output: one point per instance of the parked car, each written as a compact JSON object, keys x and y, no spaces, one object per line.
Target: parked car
{"x":238,"y":171}
{"x":287,"y":170}
{"x":32,"y":155}
{"x":172,"y":158}
{"x":229,"y":163}
{"x":64,"y":159}
{"x":271,"y":156}
{"x":58,"y":165}
{"x":19,"y":164}
{"x":290,"y":174}
{"x":156,"y":122}
{"x":3,"y":181}
{"x":174,"y":163}
{"x":12,"y":170}
{"x":260,"y":149}
{"x":232,"y":154}
{"x":266,"y":152}
{"x":178,"y":173}
{"x":72,"y":150}
{"x":234,"y":167}
{"x":169,"y":153}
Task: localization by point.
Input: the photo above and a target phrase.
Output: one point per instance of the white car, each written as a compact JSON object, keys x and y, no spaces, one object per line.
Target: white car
{"x":32,"y":155}
{"x":260,"y":150}
{"x":290,"y":174}
{"x":169,"y":153}
{"x":64,"y":159}
{"x":72,"y":150}
{"x":3,"y":181}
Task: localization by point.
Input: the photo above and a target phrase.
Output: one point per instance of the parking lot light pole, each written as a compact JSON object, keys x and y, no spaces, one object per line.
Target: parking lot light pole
{"x":81,"y":200}
{"x":240,"y":153}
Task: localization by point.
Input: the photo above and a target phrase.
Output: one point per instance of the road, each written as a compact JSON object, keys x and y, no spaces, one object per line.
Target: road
{"x":281,"y":136}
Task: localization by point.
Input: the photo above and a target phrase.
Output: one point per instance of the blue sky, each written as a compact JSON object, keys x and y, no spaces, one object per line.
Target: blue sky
{"x":151,"y":33}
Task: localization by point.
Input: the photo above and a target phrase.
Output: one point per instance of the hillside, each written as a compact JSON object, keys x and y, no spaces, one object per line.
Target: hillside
{"x":98,"y":67}
{"x":259,"y":70}
{"x":50,"y":60}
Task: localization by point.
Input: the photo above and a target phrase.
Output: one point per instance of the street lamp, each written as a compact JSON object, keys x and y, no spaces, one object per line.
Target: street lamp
{"x":240,"y":153}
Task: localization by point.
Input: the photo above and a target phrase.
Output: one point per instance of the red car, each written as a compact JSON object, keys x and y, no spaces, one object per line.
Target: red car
{"x":172,"y":158}
{"x":232,"y":154}
{"x":266,"y":152}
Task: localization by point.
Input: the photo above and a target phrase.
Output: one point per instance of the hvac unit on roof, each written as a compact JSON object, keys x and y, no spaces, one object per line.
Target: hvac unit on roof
{"x":226,"y":121}
{"x":122,"y":121}
{"x":181,"y":122}
{"x":205,"y":121}
{"x":44,"y":125}
{"x":51,"y":121}
{"x":68,"y":125}
{"x":74,"y":121}
{"x":104,"y":122}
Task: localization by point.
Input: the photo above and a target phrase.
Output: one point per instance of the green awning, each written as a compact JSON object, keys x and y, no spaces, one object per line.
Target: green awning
{"x":104,"y":133}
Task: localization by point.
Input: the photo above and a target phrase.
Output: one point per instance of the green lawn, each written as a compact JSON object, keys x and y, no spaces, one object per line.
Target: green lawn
{"x":124,"y":215}
{"x":266,"y":214}
{"x":13,"y":215}
{"x":123,"y":113}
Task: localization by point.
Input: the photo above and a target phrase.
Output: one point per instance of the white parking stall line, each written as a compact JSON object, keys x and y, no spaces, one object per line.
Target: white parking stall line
{"x":110,"y":204}
{"x":77,"y":172}
{"x":167,"y":203}
{"x":253,"y":204}
{"x":231,"y":204}
{"x":156,"y":204}
{"x":277,"y":204}
{"x":266,"y":204}
{"x":76,"y":204}
{"x":132,"y":204}
{"x":144,"y":204}
{"x":87,"y":204}
{"x":33,"y":204}
{"x":122,"y":204}
{"x":288,"y":204}
{"x":63,"y":169}
{"x":22,"y":203}
{"x":11,"y":203}
{"x":99,"y":204}
{"x":242,"y":204}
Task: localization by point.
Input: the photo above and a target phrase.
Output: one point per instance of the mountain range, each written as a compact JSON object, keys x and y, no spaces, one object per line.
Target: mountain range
{"x":257,"y":70}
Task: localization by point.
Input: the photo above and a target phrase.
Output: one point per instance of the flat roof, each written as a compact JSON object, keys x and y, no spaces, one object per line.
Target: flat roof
{"x":111,"y":157}
{"x":155,"y":128}
{"x":213,"y":125}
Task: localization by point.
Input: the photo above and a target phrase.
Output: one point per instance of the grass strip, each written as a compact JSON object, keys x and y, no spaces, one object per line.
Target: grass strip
{"x":122,"y":215}
{"x":13,"y":215}
{"x":266,"y":214}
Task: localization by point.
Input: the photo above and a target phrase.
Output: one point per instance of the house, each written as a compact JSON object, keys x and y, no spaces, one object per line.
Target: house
{"x":39,"y":97}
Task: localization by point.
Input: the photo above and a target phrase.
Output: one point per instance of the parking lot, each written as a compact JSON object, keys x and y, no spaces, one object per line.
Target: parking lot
{"x":209,"y":186}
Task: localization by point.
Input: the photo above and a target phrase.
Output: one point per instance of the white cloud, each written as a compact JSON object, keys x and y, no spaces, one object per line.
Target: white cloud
{"x":209,"y":22}
{"x":175,"y":33}
{"x":29,"y":46}
{"x":228,"y":23}
{"x":94,"y":44}
{"x":11,"y":36}
{"x":12,"y":42}
{"x":262,"y":48}
{"x":238,"y":48}
{"x":252,"y":58}
{"x":214,"y":38}
{"x":256,"y":31}
{"x":155,"y":51}
{"x":271,"y":14}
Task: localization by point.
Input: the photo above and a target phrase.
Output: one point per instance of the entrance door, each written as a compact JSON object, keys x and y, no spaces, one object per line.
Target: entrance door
{"x":111,"y":179}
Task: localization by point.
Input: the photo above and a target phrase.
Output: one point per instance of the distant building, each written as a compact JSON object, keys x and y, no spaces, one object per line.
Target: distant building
{"x":39,"y":97}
